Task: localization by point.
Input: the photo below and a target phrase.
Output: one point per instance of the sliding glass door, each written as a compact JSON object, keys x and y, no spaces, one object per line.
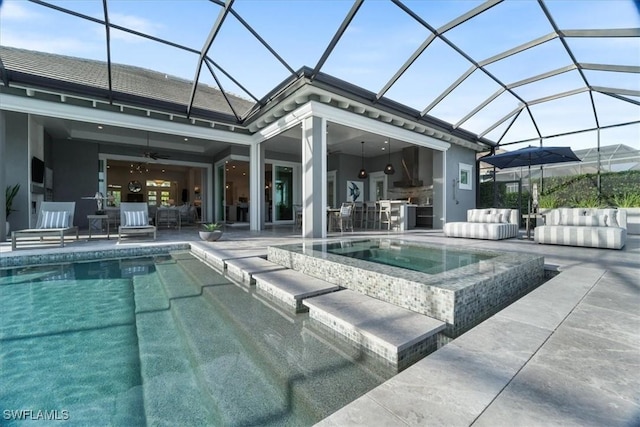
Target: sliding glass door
{"x":283,"y":193}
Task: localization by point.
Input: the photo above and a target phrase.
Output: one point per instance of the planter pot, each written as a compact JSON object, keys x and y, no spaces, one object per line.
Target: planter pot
{"x":210,"y":236}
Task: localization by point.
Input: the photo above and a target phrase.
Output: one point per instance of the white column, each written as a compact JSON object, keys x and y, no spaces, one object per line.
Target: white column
{"x":314,"y":177}
{"x":256,"y":187}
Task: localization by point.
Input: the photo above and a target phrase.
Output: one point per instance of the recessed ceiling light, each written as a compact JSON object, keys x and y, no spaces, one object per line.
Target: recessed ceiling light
{"x":99,"y":126}
{"x":186,"y":139}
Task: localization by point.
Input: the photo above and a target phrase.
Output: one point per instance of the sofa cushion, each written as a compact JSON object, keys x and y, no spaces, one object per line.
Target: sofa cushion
{"x":582,"y":220}
{"x":592,"y":237}
{"x":475,"y":215}
{"x":471,"y":230}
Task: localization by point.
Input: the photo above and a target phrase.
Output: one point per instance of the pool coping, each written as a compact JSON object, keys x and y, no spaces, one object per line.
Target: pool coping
{"x":61,"y":256}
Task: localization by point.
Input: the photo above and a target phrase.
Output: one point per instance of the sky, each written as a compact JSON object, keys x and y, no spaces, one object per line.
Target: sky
{"x":376,"y":44}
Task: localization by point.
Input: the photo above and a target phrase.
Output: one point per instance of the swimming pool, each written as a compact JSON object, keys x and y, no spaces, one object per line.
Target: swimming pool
{"x":163,"y":340}
{"x":459,"y":286}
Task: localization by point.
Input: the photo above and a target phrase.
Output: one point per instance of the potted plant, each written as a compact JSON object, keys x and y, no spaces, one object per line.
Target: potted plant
{"x":10,"y":194}
{"x":211,"y":231}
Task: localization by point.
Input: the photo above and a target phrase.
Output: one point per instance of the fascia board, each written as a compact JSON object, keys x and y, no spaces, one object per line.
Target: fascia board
{"x":73,"y":112}
{"x":284,"y":123}
{"x":346,"y":118}
{"x":368,"y":124}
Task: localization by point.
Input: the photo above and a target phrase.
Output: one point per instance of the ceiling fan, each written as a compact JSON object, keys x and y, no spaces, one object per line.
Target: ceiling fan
{"x":153,"y":155}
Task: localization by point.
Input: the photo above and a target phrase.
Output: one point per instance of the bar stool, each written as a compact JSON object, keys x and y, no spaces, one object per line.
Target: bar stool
{"x":388,"y":214}
{"x":359,"y":215}
{"x":371,"y":215}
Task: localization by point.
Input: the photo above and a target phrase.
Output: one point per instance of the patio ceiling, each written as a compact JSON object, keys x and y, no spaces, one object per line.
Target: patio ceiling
{"x":510,"y":72}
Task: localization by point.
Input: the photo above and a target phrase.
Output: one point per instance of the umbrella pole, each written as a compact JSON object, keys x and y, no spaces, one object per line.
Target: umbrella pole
{"x":529,"y":206}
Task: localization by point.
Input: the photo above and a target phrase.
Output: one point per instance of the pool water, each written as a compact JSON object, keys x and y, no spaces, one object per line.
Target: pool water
{"x":400,"y":254}
{"x":163,"y":341}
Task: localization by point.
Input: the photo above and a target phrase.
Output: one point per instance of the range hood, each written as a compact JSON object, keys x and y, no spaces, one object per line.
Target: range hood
{"x":410,"y":168}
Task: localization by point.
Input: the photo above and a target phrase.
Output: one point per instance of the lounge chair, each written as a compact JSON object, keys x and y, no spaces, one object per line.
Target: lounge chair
{"x":134,"y":219}
{"x":54,"y":219}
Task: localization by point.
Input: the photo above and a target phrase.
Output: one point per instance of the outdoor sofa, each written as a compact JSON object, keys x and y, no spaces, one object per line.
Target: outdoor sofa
{"x":586,"y":227}
{"x":491,"y":224}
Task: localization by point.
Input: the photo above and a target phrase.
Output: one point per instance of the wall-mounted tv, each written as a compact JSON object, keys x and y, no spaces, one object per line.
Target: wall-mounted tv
{"x":37,"y":170}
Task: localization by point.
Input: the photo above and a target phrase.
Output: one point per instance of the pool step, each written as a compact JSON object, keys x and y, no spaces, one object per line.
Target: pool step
{"x":243,"y":269}
{"x":177,"y":283}
{"x":220,"y":361}
{"x":396,"y":334}
{"x":149,"y":294}
{"x":218,"y":257}
{"x":172,"y":394}
{"x":291,"y":287}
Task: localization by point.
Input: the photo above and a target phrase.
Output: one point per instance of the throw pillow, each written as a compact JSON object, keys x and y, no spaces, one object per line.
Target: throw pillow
{"x":612,"y":217}
{"x":55,"y":219}
{"x":476,"y":215}
{"x":505,"y":213}
{"x":136,"y":219}
{"x":603,"y":220}
{"x":492,"y":218}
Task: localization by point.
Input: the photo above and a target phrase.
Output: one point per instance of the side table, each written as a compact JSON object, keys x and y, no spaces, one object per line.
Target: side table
{"x":528,"y":218}
{"x":102,"y":218}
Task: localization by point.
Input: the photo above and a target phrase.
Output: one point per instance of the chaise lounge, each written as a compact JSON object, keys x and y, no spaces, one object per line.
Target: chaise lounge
{"x":491,"y":224}
{"x":134,"y":220}
{"x":55,"y":219}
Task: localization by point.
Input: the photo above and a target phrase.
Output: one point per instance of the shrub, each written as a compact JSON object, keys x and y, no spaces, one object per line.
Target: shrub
{"x":548,"y":201}
{"x":627,"y":200}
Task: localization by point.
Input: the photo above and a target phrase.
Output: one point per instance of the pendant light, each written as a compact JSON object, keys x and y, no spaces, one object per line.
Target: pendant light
{"x":363,"y":173}
{"x":389,"y":170}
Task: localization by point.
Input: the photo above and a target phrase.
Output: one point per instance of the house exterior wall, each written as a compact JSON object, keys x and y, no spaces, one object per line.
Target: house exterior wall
{"x":16,"y":166}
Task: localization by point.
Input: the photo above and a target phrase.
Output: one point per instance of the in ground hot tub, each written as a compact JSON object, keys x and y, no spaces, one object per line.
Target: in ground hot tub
{"x":461,"y":287}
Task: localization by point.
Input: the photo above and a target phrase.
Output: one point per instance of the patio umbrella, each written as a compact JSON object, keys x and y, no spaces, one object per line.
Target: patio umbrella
{"x":531,"y":156}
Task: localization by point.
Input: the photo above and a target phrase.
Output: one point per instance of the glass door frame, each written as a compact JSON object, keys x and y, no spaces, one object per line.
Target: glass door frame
{"x":375,"y":177}
{"x":220,"y":188}
{"x":206,"y":181}
{"x":296,"y":189}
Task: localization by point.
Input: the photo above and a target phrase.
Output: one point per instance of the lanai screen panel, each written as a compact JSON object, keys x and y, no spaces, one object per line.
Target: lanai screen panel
{"x":499,"y":69}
